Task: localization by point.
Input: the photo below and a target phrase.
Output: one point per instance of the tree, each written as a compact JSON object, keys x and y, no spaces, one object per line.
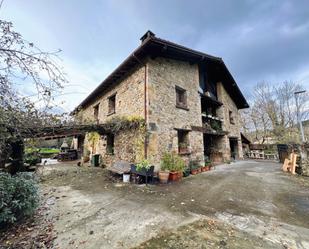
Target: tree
{"x":273,"y":112}
{"x":22,"y":62}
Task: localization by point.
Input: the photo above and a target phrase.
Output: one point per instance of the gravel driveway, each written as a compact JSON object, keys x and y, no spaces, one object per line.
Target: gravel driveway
{"x":241,"y":205}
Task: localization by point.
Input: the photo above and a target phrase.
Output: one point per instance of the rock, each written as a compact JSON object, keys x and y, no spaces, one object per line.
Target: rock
{"x":91,"y":232}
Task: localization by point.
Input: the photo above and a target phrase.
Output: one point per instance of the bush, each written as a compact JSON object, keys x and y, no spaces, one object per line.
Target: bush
{"x":18,"y":197}
{"x":144,"y":164}
{"x":172,"y":162}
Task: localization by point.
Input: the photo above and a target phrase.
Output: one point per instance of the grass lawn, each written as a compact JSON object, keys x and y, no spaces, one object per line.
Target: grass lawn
{"x":43,"y":150}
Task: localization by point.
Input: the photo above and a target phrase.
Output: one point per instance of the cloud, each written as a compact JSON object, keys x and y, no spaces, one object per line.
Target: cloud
{"x":258,"y":40}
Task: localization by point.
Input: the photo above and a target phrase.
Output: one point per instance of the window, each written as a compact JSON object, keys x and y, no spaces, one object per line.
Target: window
{"x":96,"y":112}
{"x":110,"y":144}
{"x":183,"y":141}
{"x":181,"y":98}
{"x":231,"y":117}
{"x":112,"y":104}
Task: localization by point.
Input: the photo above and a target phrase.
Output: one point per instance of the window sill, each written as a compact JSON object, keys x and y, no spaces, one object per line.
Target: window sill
{"x":111,"y":113}
{"x":184,"y":153}
{"x":182,"y":107}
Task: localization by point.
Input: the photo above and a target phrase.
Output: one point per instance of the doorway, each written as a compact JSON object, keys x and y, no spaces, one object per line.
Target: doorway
{"x":234,"y":148}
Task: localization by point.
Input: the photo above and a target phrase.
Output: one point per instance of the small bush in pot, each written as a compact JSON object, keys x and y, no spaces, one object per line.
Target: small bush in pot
{"x":174,"y":164}
{"x":164,"y":169}
{"x":186,"y":171}
{"x":144,"y":165}
{"x":194,"y":166}
{"x":207,"y":166}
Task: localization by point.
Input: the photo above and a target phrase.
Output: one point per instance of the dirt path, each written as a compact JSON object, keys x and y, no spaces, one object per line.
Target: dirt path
{"x":251,"y":204}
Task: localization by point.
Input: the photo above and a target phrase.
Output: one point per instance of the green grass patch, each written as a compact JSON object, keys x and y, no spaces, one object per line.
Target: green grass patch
{"x":42,"y":150}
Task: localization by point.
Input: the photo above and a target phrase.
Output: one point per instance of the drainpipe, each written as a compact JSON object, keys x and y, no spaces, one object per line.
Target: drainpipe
{"x":146,"y":109}
{"x":145,"y":102}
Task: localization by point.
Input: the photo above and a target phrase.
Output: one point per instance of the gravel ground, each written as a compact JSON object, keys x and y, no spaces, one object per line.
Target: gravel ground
{"x":242,"y":205}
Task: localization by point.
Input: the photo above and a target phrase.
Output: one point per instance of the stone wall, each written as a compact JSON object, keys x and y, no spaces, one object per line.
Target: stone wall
{"x":130,"y":99}
{"x":164,"y":118}
{"x":232,"y":129}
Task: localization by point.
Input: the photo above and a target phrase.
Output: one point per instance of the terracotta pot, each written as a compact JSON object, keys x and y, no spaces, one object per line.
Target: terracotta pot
{"x":179,"y":175}
{"x":207,"y":168}
{"x":194,"y":171}
{"x":204,"y":168}
{"x":173,"y":176}
{"x":199,"y":170}
{"x":163,"y":176}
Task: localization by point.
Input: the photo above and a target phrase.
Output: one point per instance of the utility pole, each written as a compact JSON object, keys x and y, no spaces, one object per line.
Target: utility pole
{"x":298,"y":115}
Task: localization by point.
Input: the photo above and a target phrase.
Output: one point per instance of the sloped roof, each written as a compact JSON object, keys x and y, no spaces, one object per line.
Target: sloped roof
{"x":156,"y":47}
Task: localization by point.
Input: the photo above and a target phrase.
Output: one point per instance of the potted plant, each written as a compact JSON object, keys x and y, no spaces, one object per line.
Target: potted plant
{"x":186,"y":171}
{"x":143,"y":166}
{"x":194,"y":167}
{"x":183,"y":148}
{"x":164,"y":171}
{"x":174,"y":164}
{"x":194,"y":170}
{"x":207,"y":166}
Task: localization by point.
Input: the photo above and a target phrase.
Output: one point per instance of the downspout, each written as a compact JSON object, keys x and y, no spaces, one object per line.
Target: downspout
{"x":145,"y":103}
{"x":146,"y":109}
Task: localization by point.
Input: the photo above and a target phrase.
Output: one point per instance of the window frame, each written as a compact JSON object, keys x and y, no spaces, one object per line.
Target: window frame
{"x":231,"y":117}
{"x":109,"y":111}
{"x":181,"y":93}
{"x":96,"y":111}
{"x":184,"y":135}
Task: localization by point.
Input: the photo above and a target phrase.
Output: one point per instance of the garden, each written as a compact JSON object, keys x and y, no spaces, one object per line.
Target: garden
{"x":172,"y":169}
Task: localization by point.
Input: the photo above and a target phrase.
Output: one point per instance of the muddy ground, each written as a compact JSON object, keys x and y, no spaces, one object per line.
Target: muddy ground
{"x":242,"y":205}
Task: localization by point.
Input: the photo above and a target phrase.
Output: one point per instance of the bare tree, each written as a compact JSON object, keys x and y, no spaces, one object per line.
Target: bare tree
{"x":273,"y":112}
{"x":21,"y":62}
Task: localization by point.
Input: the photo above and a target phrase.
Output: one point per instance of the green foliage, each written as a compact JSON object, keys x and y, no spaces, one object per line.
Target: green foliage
{"x":32,"y":159}
{"x":194,"y":164}
{"x":207,"y":163}
{"x":42,"y":150}
{"x":93,"y":139}
{"x":143,"y":165}
{"x":18,"y":197}
{"x":124,"y":122}
{"x":172,"y":162}
{"x":216,"y":125}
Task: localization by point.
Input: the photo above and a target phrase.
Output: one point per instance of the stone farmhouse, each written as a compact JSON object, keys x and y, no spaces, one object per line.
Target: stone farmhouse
{"x":188,"y":100}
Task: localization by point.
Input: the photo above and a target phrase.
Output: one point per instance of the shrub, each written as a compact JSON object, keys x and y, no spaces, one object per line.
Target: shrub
{"x":143,"y":165}
{"x":172,"y":162}
{"x":18,"y":197}
{"x":195,"y":164}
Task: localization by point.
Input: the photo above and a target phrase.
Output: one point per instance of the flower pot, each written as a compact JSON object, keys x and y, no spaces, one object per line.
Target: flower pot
{"x":199,"y":170}
{"x":174,"y":176}
{"x":207,"y":168}
{"x":126,"y":177}
{"x":204,"y":169}
{"x":163,"y":176}
{"x":194,"y":171}
{"x":179,"y":175}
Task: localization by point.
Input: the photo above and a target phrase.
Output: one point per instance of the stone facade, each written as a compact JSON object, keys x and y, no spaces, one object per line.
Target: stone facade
{"x":130,"y":101}
{"x":233,"y":129}
{"x":159,"y":77}
{"x":164,"y":117}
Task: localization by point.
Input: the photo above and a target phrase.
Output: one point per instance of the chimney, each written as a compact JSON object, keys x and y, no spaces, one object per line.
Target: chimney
{"x":146,"y":35}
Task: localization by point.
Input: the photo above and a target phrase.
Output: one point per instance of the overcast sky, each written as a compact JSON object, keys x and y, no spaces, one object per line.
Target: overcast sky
{"x":258,"y":40}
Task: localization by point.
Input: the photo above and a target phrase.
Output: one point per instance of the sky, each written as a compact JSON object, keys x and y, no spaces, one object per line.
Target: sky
{"x":258,"y":40}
